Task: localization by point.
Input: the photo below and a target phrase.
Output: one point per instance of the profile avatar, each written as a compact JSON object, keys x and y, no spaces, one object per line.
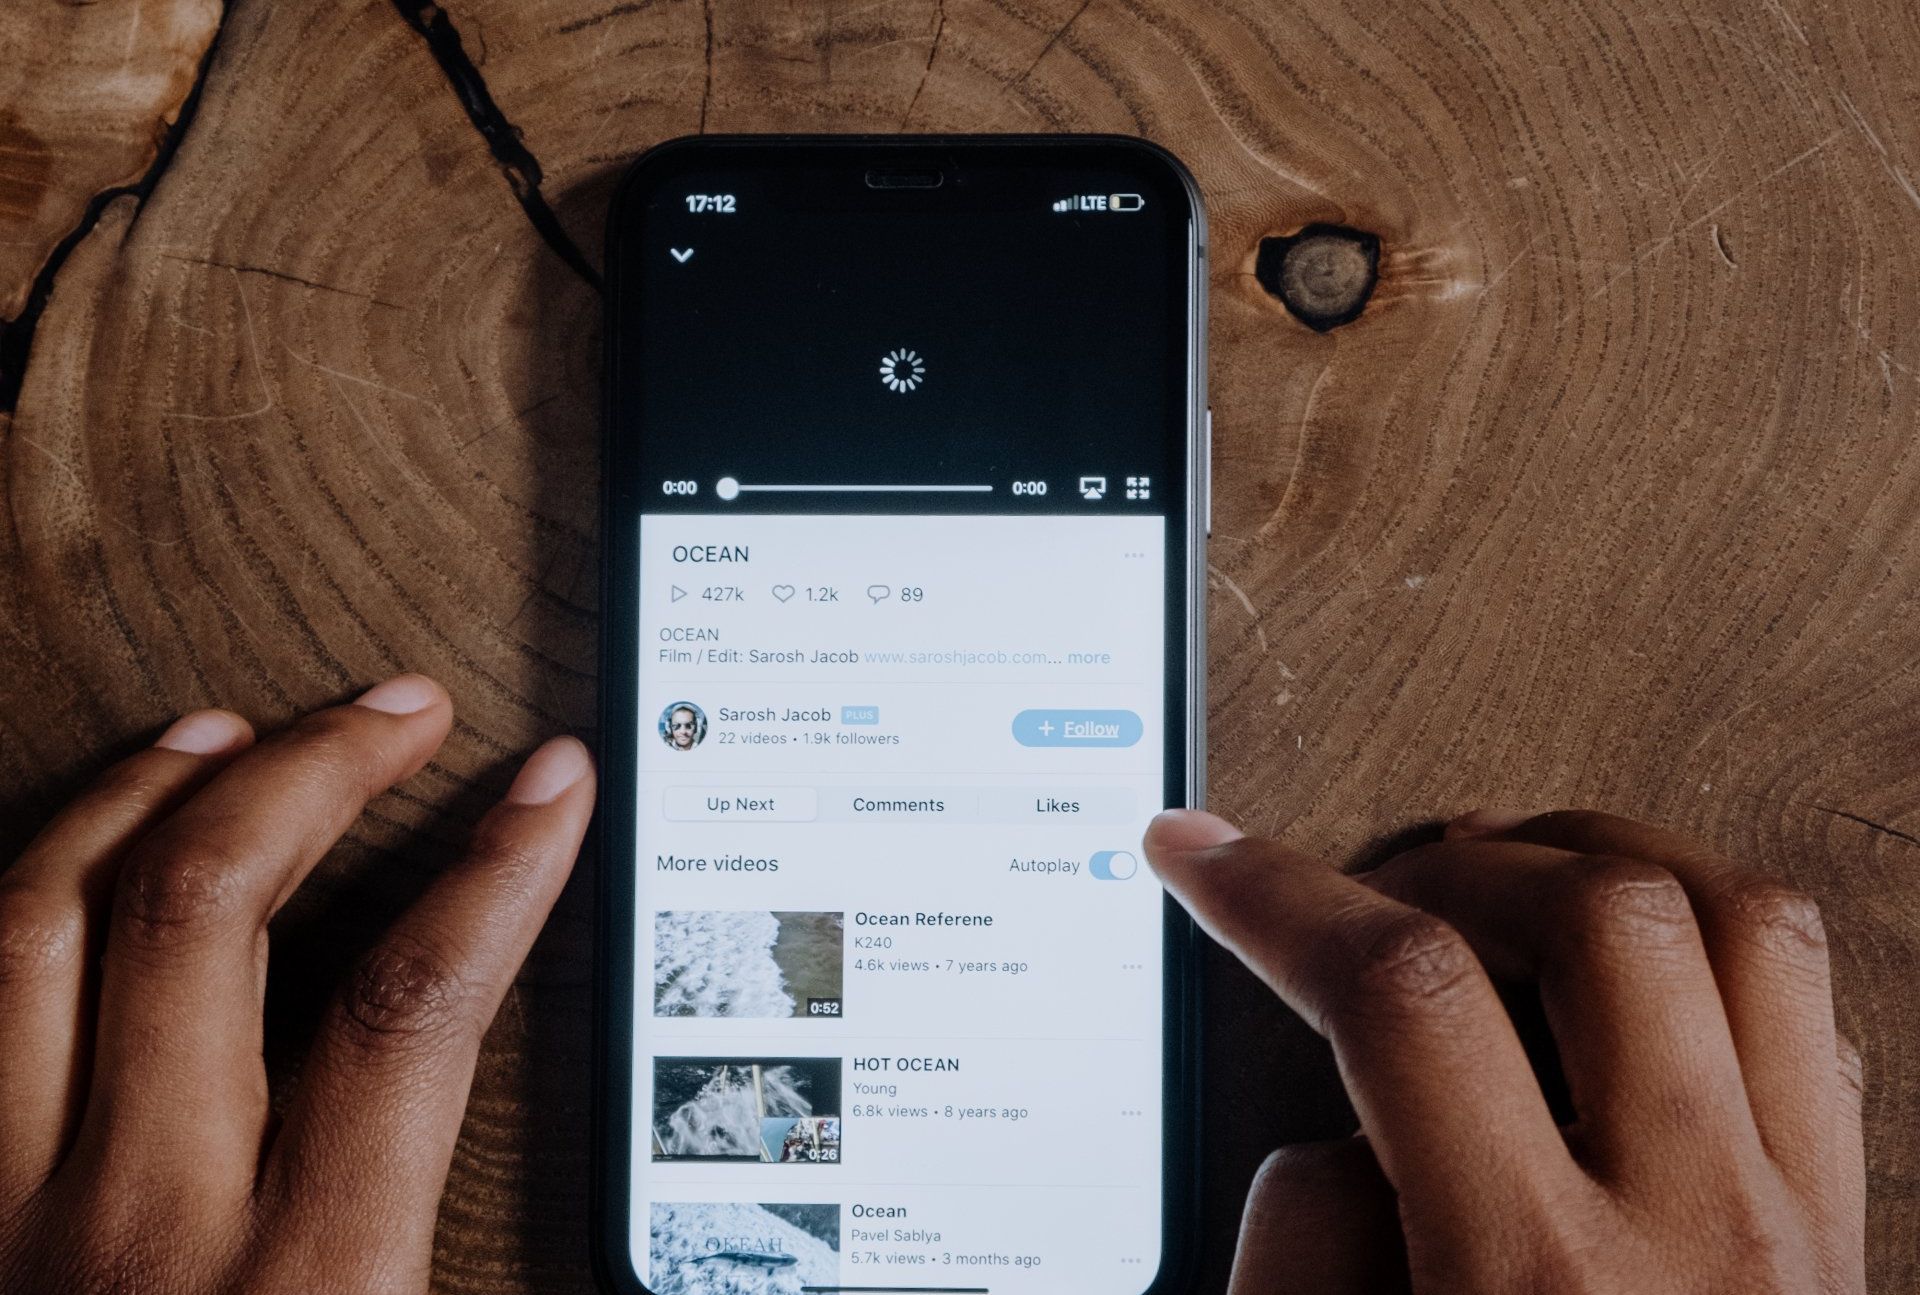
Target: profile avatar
{"x":683,"y":726}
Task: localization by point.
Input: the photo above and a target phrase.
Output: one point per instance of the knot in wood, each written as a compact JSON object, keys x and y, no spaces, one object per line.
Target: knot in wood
{"x":1323,"y":274}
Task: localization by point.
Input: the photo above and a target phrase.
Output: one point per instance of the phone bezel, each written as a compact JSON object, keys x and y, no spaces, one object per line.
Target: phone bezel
{"x":617,"y":887}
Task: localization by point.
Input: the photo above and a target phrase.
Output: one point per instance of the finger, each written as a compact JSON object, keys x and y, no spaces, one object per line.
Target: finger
{"x":371,"y":1130}
{"x":1769,"y":955}
{"x":178,"y":1078}
{"x":1844,"y":1230}
{"x":1624,"y":981}
{"x":49,"y":902}
{"x":1321,"y":1219}
{"x":1426,"y":1051}
{"x":1483,"y":822}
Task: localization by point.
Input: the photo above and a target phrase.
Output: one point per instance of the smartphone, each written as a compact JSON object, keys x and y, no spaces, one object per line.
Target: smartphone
{"x":904,"y":534}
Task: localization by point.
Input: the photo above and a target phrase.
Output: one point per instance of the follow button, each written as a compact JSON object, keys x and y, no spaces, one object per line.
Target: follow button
{"x":1076,"y":728}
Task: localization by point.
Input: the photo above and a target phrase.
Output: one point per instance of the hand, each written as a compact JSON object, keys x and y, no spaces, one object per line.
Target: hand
{"x":1716,"y":1145}
{"x":137,"y":1151}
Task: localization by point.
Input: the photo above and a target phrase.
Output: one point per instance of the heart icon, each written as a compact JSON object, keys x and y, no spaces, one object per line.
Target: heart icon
{"x":783,"y":592}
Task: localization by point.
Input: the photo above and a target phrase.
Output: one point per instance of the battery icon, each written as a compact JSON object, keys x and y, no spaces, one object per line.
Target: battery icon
{"x":1125,"y":202}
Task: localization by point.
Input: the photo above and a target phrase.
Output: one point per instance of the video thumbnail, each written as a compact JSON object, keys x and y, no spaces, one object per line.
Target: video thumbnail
{"x":779,"y":1110}
{"x":739,"y":1249}
{"x":748,"y":964}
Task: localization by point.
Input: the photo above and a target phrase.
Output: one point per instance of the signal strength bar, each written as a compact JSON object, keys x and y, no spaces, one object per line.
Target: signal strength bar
{"x":1100,"y":202}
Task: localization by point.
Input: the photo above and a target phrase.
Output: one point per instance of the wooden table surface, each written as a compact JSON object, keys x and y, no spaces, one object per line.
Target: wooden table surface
{"x":1610,"y":496}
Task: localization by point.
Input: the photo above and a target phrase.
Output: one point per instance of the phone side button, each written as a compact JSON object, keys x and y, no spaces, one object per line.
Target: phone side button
{"x":1206,"y":468}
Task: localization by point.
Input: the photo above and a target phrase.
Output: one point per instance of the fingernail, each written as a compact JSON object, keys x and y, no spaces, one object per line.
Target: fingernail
{"x":557,"y":765}
{"x":206,"y":732}
{"x":1180,"y":831}
{"x":1485,"y":822}
{"x":404,"y":694}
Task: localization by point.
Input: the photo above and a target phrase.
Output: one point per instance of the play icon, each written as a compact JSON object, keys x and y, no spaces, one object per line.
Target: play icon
{"x":678,"y":593}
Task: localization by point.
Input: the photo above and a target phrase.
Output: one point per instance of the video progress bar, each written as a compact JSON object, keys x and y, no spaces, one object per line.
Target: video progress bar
{"x":745,"y":488}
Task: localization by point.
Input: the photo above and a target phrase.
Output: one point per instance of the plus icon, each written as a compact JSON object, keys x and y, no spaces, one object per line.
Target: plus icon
{"x":1046,"y":728}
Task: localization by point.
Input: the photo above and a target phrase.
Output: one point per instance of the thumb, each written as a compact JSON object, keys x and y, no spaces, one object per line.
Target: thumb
{"x":1321,"y":1219}
{"x":1182,"y":831}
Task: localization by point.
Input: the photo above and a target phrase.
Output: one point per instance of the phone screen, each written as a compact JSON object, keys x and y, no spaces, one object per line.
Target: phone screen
{"x":903,"y":478}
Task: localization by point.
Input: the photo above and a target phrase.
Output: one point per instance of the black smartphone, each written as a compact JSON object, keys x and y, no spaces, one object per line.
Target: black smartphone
{"x":904,"y":534}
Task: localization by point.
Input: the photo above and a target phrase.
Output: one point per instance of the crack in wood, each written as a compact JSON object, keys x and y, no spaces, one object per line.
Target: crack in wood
{"x":284,"y":277}
{"x":618,"y":11}
{"x":825,"y":46}
{"x":515,"y":160}
{"x":1720,"y":245}
{"x":706,"y":92}
{"x":1047,"y":48}
{"x":16,"y":334}
{"x":1869,"y":824}
{"x":933,"y":52}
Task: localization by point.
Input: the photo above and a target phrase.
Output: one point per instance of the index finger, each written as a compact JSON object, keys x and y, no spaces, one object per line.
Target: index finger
{"x":177,"y":1066}
{"x":1439,"y":1078}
